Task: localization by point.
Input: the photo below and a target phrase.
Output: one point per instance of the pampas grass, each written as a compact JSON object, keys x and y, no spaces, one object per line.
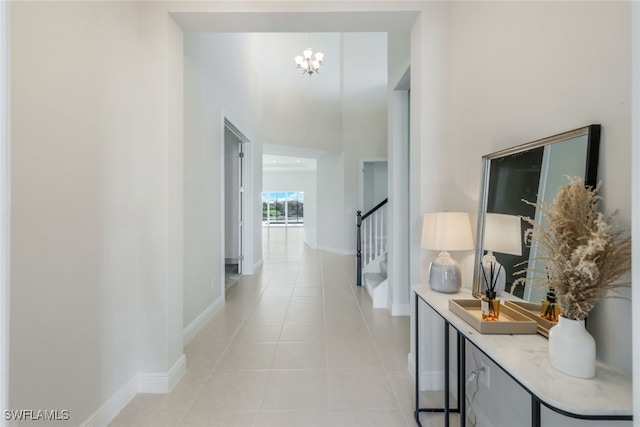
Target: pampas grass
{"x":583,"y":254}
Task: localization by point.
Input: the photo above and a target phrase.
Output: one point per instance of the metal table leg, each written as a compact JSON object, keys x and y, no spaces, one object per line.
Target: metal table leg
{"x":446,"y":374}
{"x":462,"y":379}
{"x":445,"y":409}
{"x":535,"y":411}
{"x":416,"y":363}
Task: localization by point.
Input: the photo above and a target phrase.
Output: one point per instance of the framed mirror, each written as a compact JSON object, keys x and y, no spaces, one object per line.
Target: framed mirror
{"x":534,"y":172}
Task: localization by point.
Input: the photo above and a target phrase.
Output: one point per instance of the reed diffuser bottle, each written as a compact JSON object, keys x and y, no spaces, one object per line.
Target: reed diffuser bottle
{"x":490,"y":304}
{"x":550,"y":309}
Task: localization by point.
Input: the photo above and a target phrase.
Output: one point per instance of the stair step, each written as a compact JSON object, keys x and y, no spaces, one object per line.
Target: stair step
{"x":383,"y":268}
{"x":373,"y":279}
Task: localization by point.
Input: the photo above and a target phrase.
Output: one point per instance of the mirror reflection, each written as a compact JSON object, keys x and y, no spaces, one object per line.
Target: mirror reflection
{"x":534,"y":172}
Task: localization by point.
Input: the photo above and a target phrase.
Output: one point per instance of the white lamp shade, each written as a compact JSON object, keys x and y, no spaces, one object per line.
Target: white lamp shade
{"x":502,"y":234}
{"x":299,"y":60}
{"x":319,"y":56}
{"x":447,"y":231}
{"x":307,"y":53}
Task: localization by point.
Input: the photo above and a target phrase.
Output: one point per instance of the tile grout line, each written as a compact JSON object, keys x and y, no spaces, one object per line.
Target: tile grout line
{"x":211,"y":373}
{"x":249,"y":294}
{"x":386,"y":371}
{"x":326,"y":341}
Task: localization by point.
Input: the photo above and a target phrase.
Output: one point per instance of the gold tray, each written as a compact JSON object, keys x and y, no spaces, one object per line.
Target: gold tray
{"x":509,"y":322}
{"x":532,"y":311}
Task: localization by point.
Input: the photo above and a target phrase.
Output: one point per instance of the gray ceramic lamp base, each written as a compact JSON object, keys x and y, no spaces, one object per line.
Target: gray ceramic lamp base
{"x":444,"y":274}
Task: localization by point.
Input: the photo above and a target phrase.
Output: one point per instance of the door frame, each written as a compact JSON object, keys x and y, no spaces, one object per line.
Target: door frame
{"x":245,"y":262}
{"x":361,"y":163}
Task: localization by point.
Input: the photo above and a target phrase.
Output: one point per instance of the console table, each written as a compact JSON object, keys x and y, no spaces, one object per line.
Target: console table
{"x":524,"y":358}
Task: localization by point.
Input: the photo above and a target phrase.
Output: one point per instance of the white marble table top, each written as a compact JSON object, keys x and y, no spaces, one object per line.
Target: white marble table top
{"x":525,"y":357}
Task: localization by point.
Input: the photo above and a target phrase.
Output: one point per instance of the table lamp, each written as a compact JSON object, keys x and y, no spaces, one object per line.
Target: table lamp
{"x":502,"y":234}
{"x":446,"y":231}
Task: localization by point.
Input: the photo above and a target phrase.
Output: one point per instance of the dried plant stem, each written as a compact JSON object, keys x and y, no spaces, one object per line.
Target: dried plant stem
{"x":582,"y":254}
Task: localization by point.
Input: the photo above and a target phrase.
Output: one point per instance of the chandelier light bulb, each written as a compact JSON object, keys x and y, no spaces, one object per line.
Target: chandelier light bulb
{"x":308,"y":62}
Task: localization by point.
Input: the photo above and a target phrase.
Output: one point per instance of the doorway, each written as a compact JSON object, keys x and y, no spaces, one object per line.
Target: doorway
{"x":235,"y":200}
{"x":374,"y":183}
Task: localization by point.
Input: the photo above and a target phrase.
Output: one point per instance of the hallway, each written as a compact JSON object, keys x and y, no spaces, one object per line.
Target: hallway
{"x":296,"y":344}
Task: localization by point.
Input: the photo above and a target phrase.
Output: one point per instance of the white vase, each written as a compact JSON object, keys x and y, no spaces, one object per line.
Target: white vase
{"x":572,"y":350}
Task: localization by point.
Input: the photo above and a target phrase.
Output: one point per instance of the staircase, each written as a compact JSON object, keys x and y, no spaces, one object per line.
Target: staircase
{"x":371,"y":253}
{"x":375,"y":281}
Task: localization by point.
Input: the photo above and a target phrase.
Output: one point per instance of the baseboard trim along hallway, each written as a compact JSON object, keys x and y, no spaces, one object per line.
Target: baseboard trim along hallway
{"x":199,"y":322}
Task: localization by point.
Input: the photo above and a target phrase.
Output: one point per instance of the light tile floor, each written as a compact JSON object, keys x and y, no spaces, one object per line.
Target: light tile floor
{"x":297,"y":344}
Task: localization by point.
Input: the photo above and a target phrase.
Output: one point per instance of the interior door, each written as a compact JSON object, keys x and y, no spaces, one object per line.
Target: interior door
{"x":241,"y":207}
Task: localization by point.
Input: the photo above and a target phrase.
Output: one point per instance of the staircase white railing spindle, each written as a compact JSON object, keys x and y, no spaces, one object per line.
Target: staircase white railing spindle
{"x":371,"y":237}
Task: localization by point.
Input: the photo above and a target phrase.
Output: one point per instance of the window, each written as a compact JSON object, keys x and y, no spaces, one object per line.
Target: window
{"x":283,"y":208}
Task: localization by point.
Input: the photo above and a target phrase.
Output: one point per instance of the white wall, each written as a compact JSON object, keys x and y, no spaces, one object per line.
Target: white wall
{"x":159,"y":178}
{"x":219,"y":80}
{"x":299,"y":110}
{"x":4,"y":206}
{"x":576,"y":79}
{"x":364,"y":117}
{"x":430,"y":85}
{"x":74,"y":204}
{"x":635,"y":185}
{"x":330,"y":176}
{"x":304,"y":181}
{"x":398,"y":62}
{"x":562,"y":66}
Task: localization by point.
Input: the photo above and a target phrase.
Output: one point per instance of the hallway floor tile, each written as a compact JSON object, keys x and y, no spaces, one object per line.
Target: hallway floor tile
{"x":296,"y":344}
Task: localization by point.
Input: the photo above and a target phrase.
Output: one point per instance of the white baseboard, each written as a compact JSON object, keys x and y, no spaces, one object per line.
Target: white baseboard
{"x":257,"y":265}
{"x":194,"y":327}
{"x":176,"y":372}
{"x":141,"y":383}
{"x":339,"y":251}
{"x":401,"y":310}
{"x":429,"y":380}
{"x":162,"y":382}
{"x":107,"y":412}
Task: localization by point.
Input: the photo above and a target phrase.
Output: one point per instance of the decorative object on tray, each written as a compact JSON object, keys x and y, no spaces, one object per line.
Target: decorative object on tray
{"x":509,"y":321}
{"x":584,"y":257}
{"x":502,"y":234}
{"x":490,"y":303}
{"x":550,"y":309}
{"x":531,"y":310}
{"x":446,"y":231}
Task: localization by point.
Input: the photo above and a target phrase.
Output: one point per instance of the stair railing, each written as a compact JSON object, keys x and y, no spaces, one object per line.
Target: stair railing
{"x":371,"y":236}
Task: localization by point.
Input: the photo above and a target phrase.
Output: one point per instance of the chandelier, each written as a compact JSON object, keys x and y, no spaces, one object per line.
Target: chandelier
{"x":309,"y":62}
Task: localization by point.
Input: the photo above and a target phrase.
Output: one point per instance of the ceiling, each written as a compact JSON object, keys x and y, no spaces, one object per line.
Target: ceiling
{"x":284,"y":35}
{"x":264,"y":22}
